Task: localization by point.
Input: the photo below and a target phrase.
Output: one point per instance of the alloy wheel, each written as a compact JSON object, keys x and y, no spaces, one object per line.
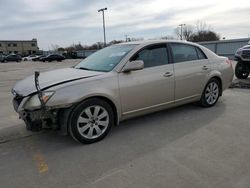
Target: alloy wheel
{"x":93,"y":122}
{"x":212,"y":93}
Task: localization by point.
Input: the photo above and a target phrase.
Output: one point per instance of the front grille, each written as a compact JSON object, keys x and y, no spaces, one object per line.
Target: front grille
{"x":246,"y":54}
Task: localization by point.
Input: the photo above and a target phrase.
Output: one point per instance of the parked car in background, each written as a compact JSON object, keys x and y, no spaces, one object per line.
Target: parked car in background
{"x":120,"y":82}
{"x":30,"y":57}
{"x":38,"y":58}
{"x":242,"y":56}
{"x":52,"y":57}
{"x":2,"y":57}
{"x":13,"y":57}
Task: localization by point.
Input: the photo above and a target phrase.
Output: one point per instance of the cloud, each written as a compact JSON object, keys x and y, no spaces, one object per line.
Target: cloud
{"x":66,"y":21}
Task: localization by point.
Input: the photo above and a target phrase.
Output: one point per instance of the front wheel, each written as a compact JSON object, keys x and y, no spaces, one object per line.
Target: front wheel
{"x":211,"y":93}
{"x":91,"y":121}
{"x":240,"y":73}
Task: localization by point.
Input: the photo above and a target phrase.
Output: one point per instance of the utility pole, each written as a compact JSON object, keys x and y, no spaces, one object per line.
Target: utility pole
{"x":181,"y":25}
{"x":103,"y":23}
{"x":126,"y":37}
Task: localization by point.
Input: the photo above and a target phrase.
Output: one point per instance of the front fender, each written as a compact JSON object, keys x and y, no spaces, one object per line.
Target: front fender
{"x":74,"y":92}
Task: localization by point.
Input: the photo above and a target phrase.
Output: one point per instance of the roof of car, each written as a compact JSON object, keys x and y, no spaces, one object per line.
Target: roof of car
{"x":148,"y":42}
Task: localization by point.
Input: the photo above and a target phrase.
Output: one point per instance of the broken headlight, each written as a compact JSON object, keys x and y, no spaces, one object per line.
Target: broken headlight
{"x":34,"y":102}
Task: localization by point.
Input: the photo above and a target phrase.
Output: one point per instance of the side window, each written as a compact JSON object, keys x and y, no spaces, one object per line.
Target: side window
{"x":183,"y":52}
{"x":201,"y":54}
{"x":153,"y":56}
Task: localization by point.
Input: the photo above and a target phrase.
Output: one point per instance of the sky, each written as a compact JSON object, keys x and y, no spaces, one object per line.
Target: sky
{"x":64,"y":22}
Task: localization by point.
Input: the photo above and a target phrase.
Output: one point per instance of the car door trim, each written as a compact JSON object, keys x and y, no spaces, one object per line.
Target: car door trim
{"x":148,"y":108}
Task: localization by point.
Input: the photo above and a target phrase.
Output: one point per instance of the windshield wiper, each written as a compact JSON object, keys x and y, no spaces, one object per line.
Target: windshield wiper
{"x":83,"y":68}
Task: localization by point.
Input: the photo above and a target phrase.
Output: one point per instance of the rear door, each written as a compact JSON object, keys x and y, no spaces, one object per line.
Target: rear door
{"x":150,"y":87}
{"x":191,"y":68}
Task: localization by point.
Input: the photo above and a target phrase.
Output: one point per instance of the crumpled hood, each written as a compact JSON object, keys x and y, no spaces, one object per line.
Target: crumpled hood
{"x":48,"y":79}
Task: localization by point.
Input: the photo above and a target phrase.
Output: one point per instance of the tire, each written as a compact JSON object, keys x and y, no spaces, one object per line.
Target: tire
{"x":211,"y":93}
{"x":239,"y":73}
{"x":91,"y":121}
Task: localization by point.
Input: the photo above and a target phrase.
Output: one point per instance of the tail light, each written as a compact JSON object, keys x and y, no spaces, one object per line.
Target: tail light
{"x":229,"y":62}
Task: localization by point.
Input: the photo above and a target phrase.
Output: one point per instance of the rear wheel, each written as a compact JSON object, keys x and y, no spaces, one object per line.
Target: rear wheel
{"x":239,"y":72}
{"x":211,"y":93}
{"x":91,"y":121}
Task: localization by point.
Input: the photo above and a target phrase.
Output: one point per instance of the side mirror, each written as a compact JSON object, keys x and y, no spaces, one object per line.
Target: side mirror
{"x":133,"y":66}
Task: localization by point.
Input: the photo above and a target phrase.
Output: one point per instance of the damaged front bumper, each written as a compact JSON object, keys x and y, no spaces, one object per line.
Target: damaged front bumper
{"x":35,"y":119}
{"x":39,"y":117}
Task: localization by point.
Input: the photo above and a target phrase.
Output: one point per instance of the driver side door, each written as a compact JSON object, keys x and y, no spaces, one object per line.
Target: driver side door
{"x":151,"y":88}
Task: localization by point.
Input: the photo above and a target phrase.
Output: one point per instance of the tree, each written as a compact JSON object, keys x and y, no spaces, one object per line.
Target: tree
{"x":205,"y":36}
{"x":55,"y":47}
{"x":60,"y":49}
{"x":198,"y":32}
{"x":135,"y":39}
{"x":167,"y":37}
{"x":201,"y":26}
{"x":78,"y":47}
{"x":187,"y":32}
{"x":70,"y":49}
{"x":115,"y":42}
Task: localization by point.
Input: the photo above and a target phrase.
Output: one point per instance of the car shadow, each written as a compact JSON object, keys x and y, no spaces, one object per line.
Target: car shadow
{"x":132,"y":140}
{"x":136,"y":136}
{"x":241,"y":83}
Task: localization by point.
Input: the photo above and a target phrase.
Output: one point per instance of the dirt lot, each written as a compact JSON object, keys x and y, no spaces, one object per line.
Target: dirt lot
{"x":184,"y":147}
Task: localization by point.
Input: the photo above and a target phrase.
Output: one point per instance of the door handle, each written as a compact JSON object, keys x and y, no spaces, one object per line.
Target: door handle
{"x":205,"y":68}
{"x":168,"y":74}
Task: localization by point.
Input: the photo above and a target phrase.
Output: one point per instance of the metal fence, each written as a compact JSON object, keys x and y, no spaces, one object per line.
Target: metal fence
{"x":85,"y":53}
{"x":225,"y":47}
{"x":79,"y":54}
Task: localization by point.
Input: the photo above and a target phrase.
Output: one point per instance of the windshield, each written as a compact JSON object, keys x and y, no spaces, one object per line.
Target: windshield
{"x":106,"y":59}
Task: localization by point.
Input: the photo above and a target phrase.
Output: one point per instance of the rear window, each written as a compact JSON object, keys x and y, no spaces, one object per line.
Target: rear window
{"x":201,"y":54}
{"x":183,"y":52}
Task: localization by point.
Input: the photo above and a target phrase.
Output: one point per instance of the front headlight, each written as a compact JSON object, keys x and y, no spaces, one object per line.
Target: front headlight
{"x":34,"y":102}
{"x":239,"y":52}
